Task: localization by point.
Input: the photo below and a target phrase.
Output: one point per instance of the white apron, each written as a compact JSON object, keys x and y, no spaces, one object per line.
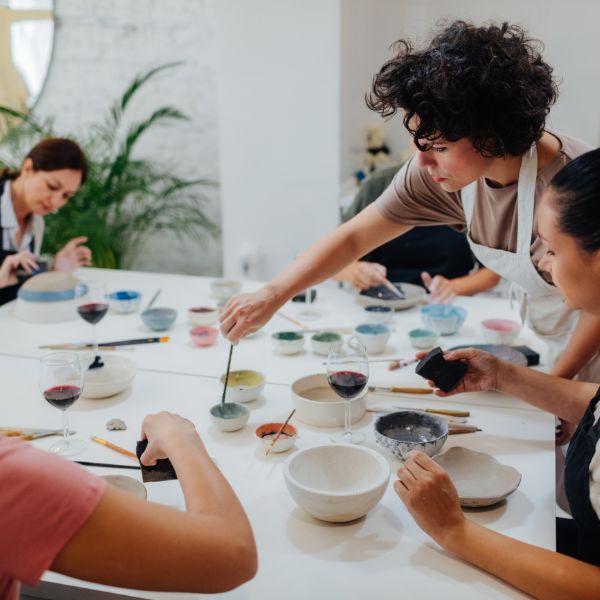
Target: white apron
{"x":542,"y":305}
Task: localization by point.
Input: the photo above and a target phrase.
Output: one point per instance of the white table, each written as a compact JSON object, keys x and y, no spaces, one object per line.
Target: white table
{"x":384,"y":554}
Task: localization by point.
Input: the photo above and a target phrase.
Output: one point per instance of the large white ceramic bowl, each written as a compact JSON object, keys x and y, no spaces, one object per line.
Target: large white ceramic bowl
{"x":115,"y":376}
{"x":317,"y":404}
{"x":381,"y":296}
{"x":337,"y":483}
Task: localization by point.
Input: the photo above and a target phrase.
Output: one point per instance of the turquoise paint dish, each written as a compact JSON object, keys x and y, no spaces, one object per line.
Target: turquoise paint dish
{"x":423,"y":338}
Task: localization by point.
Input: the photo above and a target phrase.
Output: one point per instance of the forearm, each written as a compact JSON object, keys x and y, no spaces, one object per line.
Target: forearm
{"x":583,"y":345}
{"x":480,"y":281}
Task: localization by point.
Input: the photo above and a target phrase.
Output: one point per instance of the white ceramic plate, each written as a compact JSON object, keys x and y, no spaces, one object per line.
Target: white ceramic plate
{"x":479,"y":478}
{"x":114,"y":377}
{"x":127,"y":484}
{"x":414,"y":294}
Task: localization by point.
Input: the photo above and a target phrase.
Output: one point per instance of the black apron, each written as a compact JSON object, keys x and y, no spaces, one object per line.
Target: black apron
{"x":577,"y":486}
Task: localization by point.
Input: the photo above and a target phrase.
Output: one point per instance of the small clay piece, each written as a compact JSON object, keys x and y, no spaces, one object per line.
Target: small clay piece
{"x":444,"y":373}
{"x":116,"y":425}
{"x":394,"y":365}
{"x":162,"y":471}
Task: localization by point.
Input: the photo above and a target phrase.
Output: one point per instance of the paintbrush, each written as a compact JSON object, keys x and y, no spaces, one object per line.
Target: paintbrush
{"x":390,"y":286}
{"x":400,"y":390}
{"x":114,"y":447}
{"x":87,"y":463}
{"x":108,"y":345}
{"x":294,"y":321}
{"x":279,"y":432}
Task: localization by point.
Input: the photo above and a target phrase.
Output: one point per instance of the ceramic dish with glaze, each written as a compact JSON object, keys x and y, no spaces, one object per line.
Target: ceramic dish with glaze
{"x":374,"y":337}
{"x":244,"y":386}
{"x":159,"y":319}
{"x":229,"y":416}
{"x":266,"y":433}
{"x":478,"y":477}
{"x":446,"y":319}
{"x":127,"y":484}
{"x":423,"y":339}
{"x":378,"y":314}
{"x":381,"y":296}
{"x":506,"y":353}
{"x":325,"y":341}
{"x":114,"y":377}
{"x":500,"y":331}
{"x":223,"y":289}
{"x":203,"y":315}
{"x":288,"y":342}
{"x":124,"y":301}
{"x":203,"y":336}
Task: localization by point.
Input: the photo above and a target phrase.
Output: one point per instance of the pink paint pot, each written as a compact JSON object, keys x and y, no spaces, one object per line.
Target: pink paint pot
{"x":203,"y":336}
{"x":500,"y":331}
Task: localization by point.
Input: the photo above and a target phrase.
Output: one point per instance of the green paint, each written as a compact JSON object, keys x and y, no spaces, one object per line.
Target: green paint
{"x":419,"y":333}
{"x":288,"y":336}
{"x":328,"y":337}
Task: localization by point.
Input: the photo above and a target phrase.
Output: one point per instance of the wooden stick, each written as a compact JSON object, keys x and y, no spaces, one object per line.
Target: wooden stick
{"x":390,"y":286}
{"x":294,"y":321}
{"x":114,"y":447}
{"x":400,"y":390}
{"x":279,"y":432}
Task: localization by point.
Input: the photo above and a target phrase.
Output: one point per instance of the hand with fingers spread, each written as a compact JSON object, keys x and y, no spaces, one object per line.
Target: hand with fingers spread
{"x":441,"y":289}
{"x":73,"y":255}
{"x":362,"y":274}
{"x":430,"y":496}
{"x":8,"y":269}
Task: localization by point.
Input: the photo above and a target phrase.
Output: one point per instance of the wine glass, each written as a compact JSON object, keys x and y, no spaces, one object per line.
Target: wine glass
{"x":92,"y":306}
{"x":348,"y":374}
{"x":61,"y":383}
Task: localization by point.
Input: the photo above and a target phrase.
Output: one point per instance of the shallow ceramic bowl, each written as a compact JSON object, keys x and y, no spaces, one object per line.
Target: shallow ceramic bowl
{"x":203,"y":336}
{"x":244,"y":386}
{"x":325,"y":341}
{"x":115,"y":376}
{"x":234,"y":417}
{"x":378,"y":314}
{"x":478,"y":477}
{"x":337,"y":483}
{"x":127,"y":484}
{"x":500,"y":331}
{"x":446,"y":319}
{"x":124,"y":301}
{"x":288,"y":342}
{"x":373,"y":337}
{"x":267,"y":432}
{"x":413,"y":294}
{"x":317,"y":404}
{"x":223,"y":289}
{"x":159,"y":319}
{"x":203,"y":315}
{"x":407,"y":430}
{"x":423,"y":339}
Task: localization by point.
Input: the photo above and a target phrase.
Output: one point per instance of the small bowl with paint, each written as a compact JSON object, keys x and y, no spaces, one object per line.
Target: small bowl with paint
{"x":422,"y":339}
{"x":124,"y":301}
{"x":244,"y":386}
{"x":446,"y":319}
{"x":325,"y":341}
{"x":223,"y":289}
{"x":203,"y":336}
{"x":500,"y":331}
{"x":373,"y":336}
{"x":159,"y":319}
{"x":203,"y":315}
{"x":379,"y":314}
{"x":288,"y":342}
{"x":266,"y":433}
{"x":229,"y":416}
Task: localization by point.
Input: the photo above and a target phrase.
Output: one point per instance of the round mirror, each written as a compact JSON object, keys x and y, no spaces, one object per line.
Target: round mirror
{"x":26,"y":39}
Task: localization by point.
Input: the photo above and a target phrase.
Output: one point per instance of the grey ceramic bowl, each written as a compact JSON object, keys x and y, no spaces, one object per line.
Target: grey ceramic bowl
{"x":407,"y":430}
{"x":159,"y":319}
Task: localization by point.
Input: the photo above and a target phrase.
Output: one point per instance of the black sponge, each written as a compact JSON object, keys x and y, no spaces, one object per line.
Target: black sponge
{"x":162,"y":471}
{"x":444,"y":373}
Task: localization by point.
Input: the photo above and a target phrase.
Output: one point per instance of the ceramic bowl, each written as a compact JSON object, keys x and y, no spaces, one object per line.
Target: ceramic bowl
{"x":373,"y":337}
{"x":324,"y":341}
{"x":337,"y":483}
{"x":317,"y":404}
{"x":203,"y":336}
{"x":446,"y":319}
{"x":233,"y":416}
{"x":203,"y":315}
{"x":422,"y":339}
{"x":127,"y":484}
{"x":500,"y":331}
{"x":407,"y":430}
{"x":244,"y":386}
{"x":159,"y":319}
{"x":378,"y":314}
{"x":288,"y":342}
{"x":267,"y":432}
{"x":223,"y":289}
{"x":115,"y":376}
{"x":124,"y":301}
{"x":413,"y":294}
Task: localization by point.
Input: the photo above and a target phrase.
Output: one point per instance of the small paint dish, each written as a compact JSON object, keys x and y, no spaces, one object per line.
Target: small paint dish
{"x":446,"y":319}
{"x":229,"y":416}
{"x":223,"y":289}
{"x":203,"y":315}
{"x":203,"y":336}
{"x":124,"y":301}
{"x":379,"y":314}
{"x":266,"y":433}
{"x":373,"y":337}
{"x":325,"y":341}
{"x":244,"y":386}
{"x":159,"y":319}
{"x":288,"y":342}
{"x":500,"y":331}
{"x":422,"y":339}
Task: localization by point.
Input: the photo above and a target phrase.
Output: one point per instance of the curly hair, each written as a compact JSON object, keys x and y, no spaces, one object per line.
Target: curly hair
{"x":488,"y":84}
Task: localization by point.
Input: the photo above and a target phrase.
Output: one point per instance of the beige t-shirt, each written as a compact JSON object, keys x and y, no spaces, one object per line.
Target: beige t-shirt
{"x":413,"y":198}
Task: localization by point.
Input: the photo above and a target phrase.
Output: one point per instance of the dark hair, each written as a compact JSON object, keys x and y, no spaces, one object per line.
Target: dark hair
{"x":488,"y":84}
{"x":54,"y":154}
{"x":575,"y":194}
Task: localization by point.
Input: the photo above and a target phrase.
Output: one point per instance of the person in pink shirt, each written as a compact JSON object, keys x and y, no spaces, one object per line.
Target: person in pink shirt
{"x":55,"y":515}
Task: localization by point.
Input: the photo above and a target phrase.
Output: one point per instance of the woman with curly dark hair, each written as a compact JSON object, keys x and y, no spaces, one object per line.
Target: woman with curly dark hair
{"x":475,"y":101}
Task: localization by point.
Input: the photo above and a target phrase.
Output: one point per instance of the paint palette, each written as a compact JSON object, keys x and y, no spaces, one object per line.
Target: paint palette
{"x":381,"y":296}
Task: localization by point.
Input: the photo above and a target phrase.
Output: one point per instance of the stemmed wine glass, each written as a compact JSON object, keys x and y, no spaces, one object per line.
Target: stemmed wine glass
{"x":348,"y":374}
{"x":92,"y":306}
{"x":61,"y":383}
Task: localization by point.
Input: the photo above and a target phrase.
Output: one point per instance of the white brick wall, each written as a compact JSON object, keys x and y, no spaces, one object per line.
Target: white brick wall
{"x":99,"y":46}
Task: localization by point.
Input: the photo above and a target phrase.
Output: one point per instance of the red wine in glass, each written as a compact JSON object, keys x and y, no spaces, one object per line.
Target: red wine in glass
{"x":62,"y":396}
{"x":347,"y":384}
{"x":92,"y":312}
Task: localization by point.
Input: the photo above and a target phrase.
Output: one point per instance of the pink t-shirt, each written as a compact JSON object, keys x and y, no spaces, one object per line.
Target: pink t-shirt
{"x":44,"y":501}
